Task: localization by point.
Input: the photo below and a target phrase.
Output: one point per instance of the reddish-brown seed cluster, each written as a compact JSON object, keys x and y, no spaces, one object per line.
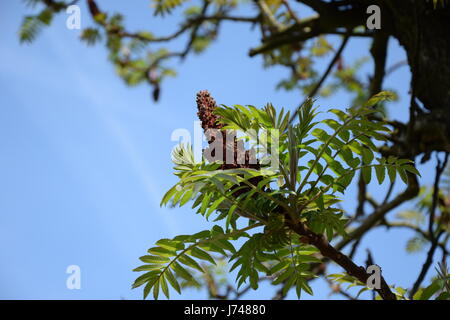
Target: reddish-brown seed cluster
{"x":206,"y":105}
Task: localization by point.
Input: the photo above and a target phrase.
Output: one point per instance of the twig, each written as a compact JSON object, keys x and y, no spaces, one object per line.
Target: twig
{"x":396,"y":66}
{"x":440,"y":167}
{"x":362,"y":197}
{"x":267,"y":13}
{"x":291,"y":12}
{"x":388,"y":193}
{"x":336,"y":288}
{"x":411,"y":191}
{"x":324,"y":76}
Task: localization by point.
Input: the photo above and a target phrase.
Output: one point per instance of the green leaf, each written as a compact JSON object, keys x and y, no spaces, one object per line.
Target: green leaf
{"x":429,"y":291}
{"x":225,"y":244}
{"x":205,"y":203}
{"x":144,"y":278}
{"x":288,"y":284}
{"x":381,"y":96}
{"x":305,"y":286}
{"x":46,"y":16}
{"x":100,"y":17}
{"x":186,"y":197}
{"x":188,"y":261}
{"x":29,"y":29}
{"x":154,"y":259}
{"x":320,"y":202}
{"x":149,"y":286}
{"x":411,"y":169}
{"x":147,"y":267}
{"x":91,"y":36}
{"x":169,"y":194}
{"x":367,"y":174}
{"x":341,"y":114}
{"x":286,"y":274}
{"x":415,"y":244}
{"x":172,"y":280}
{"x":162,"y":252}
{"x":298,"y":287}
{"x":164,"y":287}
{"x":214,"y":206}
{"x":198,"y":253}
{"x":443,"y":296}
{"x":402,"y":175}
{"x":367,"y":156}
{"x":156,"y":290}
{"x":309,"y":259}
{"x":201,"y":235}
{"x":279,"y":266}
{"x":381,"y":173}
{"x":211,"y":247}
{"x":254,"y":278}
{"x":180,"y":271}
{"x":392,"y":173}
{"x":230,"y":215}
{"x":170,"y":244}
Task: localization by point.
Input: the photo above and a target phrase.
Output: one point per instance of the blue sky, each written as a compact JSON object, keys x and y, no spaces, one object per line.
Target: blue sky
{"x":85,"y":160}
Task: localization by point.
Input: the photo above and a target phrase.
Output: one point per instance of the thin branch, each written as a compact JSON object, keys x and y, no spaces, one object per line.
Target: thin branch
{"x":372,"y":201}
{"x":354,"y":248}
{"x":194,"y":31}
{"x":396,"y":66}
{"x":186,"y":26}
{"x":193,"y":22}
{"x":440,"y":167}
{"x":388,"y":193}
{"x":426,"y":265}
{"x":423,"y":233}
{"x":308,"y":28}
{"x":362,"y":196}
{"x":324,"y":76}
{"x":336,"y":288}
{"x":267,"y":13}
{"x":410,"y":192}
{"x":291,"y":11}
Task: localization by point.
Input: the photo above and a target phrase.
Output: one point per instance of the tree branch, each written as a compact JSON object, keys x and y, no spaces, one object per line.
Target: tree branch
{"x":410,"y":192}
{"x":327,"y":250}
{"x":267,"y":13}
{"x":440,"y":167}
{"x":323,"y":78}
{"x":329,"y":21}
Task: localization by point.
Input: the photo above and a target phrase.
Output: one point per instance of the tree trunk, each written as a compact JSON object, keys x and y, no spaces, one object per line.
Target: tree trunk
{"x":424,"y":33}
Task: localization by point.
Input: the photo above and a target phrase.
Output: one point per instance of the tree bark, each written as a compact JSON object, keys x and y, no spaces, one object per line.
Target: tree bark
{"x":424,"y":33}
